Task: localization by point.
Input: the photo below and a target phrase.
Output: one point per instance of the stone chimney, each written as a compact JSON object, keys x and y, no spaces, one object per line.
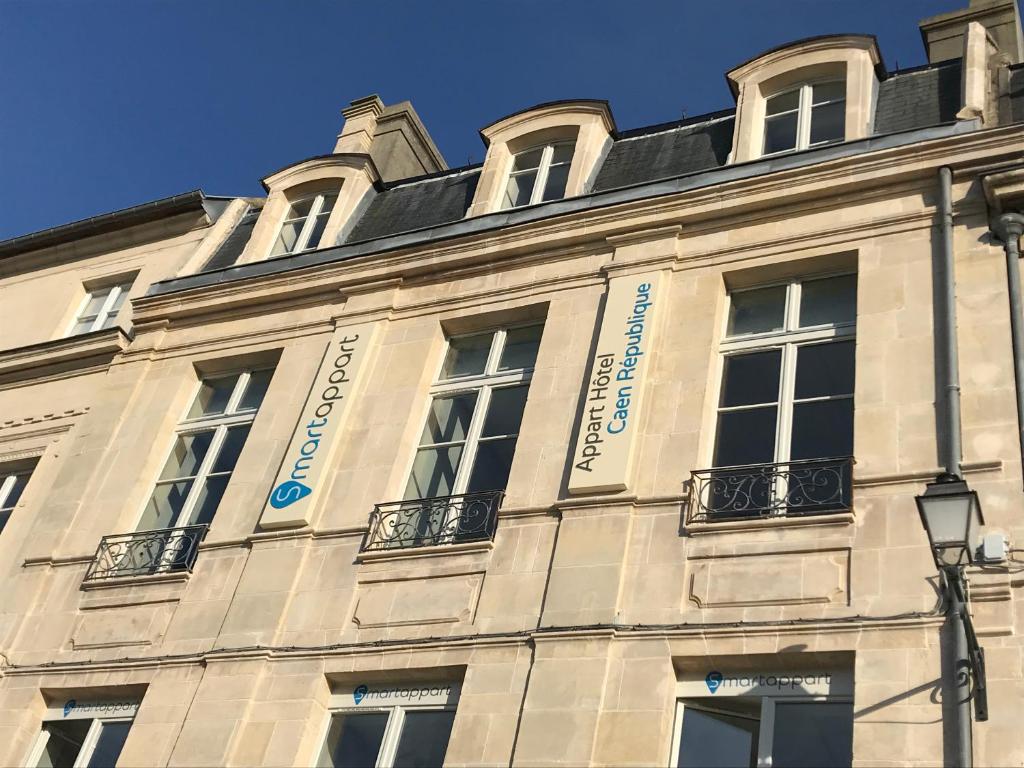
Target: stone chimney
{"x":943,"y":35}
{"x":394,"y":137}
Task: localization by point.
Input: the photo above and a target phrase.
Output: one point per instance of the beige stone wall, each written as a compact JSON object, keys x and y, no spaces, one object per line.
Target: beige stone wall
{"x":567,"y":631}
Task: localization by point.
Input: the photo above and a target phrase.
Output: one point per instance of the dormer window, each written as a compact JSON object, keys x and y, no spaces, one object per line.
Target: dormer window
{"x":808,"y":116}
{"x":539,"y":174}
{"x":304,"y":224}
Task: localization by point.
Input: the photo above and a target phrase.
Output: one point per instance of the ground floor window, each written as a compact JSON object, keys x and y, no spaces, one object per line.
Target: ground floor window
{"x":756,"y":720}
{"x":83,"y":734}
{"x":386,"y":726}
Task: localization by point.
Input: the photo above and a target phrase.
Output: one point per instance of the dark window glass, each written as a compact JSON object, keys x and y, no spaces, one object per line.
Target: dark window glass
{"x":751,"y":378}
{"x":827,"y":301}
{"x":520,"y":348}
{"x":780,"y":133}
{"x":812,"y":735}
{"x":353,"y":740}
{"x":825,"y":369}
{"x":109,"y":745}
{"x":746,"y":437}
{"x":554,"y":189}
{"x":828,"y":122}
{"x":254,"y":393}
{"x":505,"y":413}
{"x":64,"y":742}
{"x":424,"y":739}
{"x":757,"y":311}
{"x":492,"y":466}
{"x":467,"y":355}
{"x":717,"y":740}
{"x":449,"y":419}
{"x":822,"y":429}
{"x":433,"y":472}
{"x":213,"y":396}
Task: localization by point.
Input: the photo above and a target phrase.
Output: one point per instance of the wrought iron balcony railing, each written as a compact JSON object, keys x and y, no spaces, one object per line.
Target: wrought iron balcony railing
{"x":426,"y":522}
{"x":811,"y":487}
{"x":144,"y":552}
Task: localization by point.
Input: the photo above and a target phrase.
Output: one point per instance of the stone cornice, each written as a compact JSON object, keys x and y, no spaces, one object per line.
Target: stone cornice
{"x":73,"y":355}
{"x":733,"y":199}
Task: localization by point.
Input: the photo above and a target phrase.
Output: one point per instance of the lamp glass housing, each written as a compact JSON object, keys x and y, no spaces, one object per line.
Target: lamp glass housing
{"x":952,"y":519}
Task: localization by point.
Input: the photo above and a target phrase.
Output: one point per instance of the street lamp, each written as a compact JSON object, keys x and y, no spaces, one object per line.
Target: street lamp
{"x":952,"y":518}
{"x":951,"y":515}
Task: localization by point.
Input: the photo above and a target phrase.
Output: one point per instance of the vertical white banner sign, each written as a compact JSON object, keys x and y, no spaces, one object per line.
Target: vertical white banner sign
{"x":304,"y":471}
{"x":603,"y":457}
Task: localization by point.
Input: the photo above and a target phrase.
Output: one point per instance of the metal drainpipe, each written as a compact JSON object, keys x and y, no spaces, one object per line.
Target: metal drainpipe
{"x":1008,"y":228}
{"x":948,"y":363}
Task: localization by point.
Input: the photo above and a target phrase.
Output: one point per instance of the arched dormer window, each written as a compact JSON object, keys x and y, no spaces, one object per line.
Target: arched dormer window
{"x":542,"y":154}
{"x":804,"y":95}
{"x":304,"y":224}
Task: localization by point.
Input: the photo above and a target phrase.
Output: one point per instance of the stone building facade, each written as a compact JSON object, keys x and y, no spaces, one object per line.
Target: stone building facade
{"x":603,"y":452}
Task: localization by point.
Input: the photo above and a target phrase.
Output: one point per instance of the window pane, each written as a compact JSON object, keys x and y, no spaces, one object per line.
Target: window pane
{"x":288,"y":237}
{"x":448,"y":420}
{"x":209,"y":498}
{"x":231,"y":448}
{"x":433,"y":472}
{"x":109,"y":745}
{"x":562,"y":153}
{"x":519,"y":190}
{"x":188,"y":453}
{"x":520,"y":348}
{"x":213,"y":396}
{"x":109,"y":321}
{"x":83,"y":326}
{"x":745,"y":437}
{"x":64,"y":743}
{"x":717,"y":740}
{"x":353,"y":740}
{"x":783,"y":102}
{"x":317,"y":231}
{"x":164,"y":506}
{"x":95,"y":304}
{"x":330,"y":199}
{"x":828,"y":122}
{"x":14,"y":495}
{"x":822,"y":429}
{"x":492,"y":465}
{"x":424,"y":739}
{"x":5,"y":515}
{"x":815,"y":735}
{"x":751,"y":378}
{"x":757,"y":311}
{"x":825,"y":369}
{"x":255,"y":391}
{"x":829,"y":92}
{"x":301,"y":209}
{"x":505,"y":413}
{"x":526,"y":160}
{"x":554,"y":188}
{"x":780,"y":133}
{"x":827,"y":301}
{"x":467,"y":355}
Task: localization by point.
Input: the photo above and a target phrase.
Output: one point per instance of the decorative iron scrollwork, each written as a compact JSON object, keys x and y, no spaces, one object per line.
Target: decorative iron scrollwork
{"x":426,"y":522}
{"x":811,"y":487}
{"x":144,"y":552}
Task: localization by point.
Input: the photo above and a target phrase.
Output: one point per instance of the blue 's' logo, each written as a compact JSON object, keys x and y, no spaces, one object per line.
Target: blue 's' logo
{"x":714,"y":680}
{"x":360,"y":693}
{"x":287,"y":493}
{"x":68,"y":706}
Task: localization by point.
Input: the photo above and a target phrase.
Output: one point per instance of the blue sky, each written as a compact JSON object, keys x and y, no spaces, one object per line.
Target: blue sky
{"x":108,"y":104}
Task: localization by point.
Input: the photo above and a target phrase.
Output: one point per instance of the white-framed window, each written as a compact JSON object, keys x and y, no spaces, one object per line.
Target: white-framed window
{"x":539,"y":174}
{"x":412,"y":733}
{"x":100,"y":307}
{"x":80,"y":734}
{"x":208,"y":443}
{"x":786,"y":395}
{"x":476,"y":407}
{"x":14,"y":476}
{"x":304,"y":224}
{"x":763,"y":731}
{"x":807,"y":116}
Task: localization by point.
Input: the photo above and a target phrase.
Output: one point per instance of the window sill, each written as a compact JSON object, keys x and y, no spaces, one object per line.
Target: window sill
{"x":416,"y":553}
{"x":757,"y":524}
{"x":87,"y":351}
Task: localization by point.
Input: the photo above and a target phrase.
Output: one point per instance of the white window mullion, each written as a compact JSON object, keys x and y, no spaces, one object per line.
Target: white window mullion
{"x":804,"y":118}
{"x":105,"y":310}
{"x":6,"y":485}
{"x":542,"y":174}
{"x":188,"y":508}
{"x":88,"y":744}
{"x":236,"y":394}
{"x":392,"y":735}
{"x":307,"y":225}
{"x":476,"y":426}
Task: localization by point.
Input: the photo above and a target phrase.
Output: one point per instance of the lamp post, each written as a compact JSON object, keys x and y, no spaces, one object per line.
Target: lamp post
{"x":951,"y":515}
